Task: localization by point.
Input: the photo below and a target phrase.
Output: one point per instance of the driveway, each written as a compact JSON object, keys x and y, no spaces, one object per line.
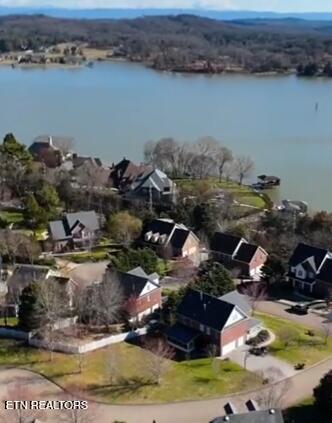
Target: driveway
{"x":271,"y":307}
{"x":268,"y":366}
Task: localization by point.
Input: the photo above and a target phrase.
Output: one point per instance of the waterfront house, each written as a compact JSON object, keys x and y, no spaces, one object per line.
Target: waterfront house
{"x":236,"y":252}
{"x":154,"y":187}
{"x":74,"y":230}
{"x":203,"y":319}
{"x":170,"y":239}
{"x":124,"y":173}
{"x":309,"y":270}
{"x":45,"y":149}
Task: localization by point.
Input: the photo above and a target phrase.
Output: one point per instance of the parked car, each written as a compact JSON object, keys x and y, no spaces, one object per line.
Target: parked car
{"x":300,"y":308}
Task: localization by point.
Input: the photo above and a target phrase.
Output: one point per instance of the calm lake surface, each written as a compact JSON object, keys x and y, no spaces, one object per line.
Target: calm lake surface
{"x":114,"y":108}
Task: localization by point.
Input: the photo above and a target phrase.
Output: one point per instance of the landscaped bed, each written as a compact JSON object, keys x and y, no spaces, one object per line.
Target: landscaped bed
{"x":193,"y":379}
{"x":296,"y":343}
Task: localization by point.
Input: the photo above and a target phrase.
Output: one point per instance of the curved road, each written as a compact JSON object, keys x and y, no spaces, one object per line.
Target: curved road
{"x":22,"y":381}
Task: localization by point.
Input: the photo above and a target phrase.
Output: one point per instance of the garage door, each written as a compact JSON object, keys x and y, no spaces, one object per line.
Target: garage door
{"x":240,"y":341}
{"x":226,"y":349}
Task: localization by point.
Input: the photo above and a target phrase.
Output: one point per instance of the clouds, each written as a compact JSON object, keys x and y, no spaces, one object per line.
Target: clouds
{"x":258,"y":5}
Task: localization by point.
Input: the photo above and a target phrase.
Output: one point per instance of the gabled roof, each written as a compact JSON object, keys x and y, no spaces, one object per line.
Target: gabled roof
{"x":325,"y":273}
{"x":154,"y":178}
{"x":63,"y":229}
{"x":176,"y":234}
{"x":239,"y":300}
{"x":132,"y":282}
{"x":205,"y":309}
{"x":225,"y":243}
{"x":303,"y":252}
{"x":181,"y":333}
{"x":246,"y":252}
{"x":262,"y":416}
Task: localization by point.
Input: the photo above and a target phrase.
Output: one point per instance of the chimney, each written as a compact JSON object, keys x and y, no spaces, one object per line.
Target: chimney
{"x":50,"y":141}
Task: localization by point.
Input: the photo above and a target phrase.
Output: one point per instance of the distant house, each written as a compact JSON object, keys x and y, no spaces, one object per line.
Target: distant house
{"x":256,"y":416}
{"x":45,"y":149}
{"x":74,"y":230}
{"x":235,"y":252}
{"x":310,"y":270}
{"x":25,"y":274}
{"x":153,"y":186}
{"x":90,"y":170}
{"x":203,"y":319}
{"x":170,"y":239}
{"x":141,"y":292}
{"x":124,"y":173}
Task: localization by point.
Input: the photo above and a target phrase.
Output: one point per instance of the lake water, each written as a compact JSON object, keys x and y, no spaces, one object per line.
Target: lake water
{"x":114,"y":108}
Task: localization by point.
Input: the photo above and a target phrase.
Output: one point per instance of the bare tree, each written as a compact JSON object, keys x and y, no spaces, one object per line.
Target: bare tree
{"x":157,"y":359}
{"x":275,"y":391}
{"x":51,"y":306}
{"x":113,"y":363}
{"x":255,"y":292}
{"x":244,"y":167}
{"x":222,"y":158}
{"x":20,"y":391}
{"x":104,"y":301}
{"x":327,"y":328}
{"x":86,"y":412}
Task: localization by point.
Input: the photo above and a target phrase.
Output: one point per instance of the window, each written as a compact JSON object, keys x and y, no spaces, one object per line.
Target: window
{"x":208,"y":331}
{"x":201,"y":328}
{"x":299,"y":273}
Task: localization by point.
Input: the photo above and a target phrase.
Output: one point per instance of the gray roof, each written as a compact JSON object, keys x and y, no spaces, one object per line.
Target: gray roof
{"x":263,"y":416}
{"x":132,"y":282}
{"x":237,"y":299}
{"x":155,"y":179}
{"x":62,"y":229}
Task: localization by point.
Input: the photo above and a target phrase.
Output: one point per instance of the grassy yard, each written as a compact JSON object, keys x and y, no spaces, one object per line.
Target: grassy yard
{"x":192,"y":379}
{"x":294,"y":343}
{"x":243,"y":194}
{"x":306,"y":412}
{"x":11,"y":321}
{"x":11,"y":217}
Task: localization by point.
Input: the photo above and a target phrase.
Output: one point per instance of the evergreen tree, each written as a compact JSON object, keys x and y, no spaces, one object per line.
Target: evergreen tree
{"x":15,"y":150}
{"x":214,"y":279}
{"x":29,"y":317}
{"x":129,"y":258}
{"x":323,"y":394}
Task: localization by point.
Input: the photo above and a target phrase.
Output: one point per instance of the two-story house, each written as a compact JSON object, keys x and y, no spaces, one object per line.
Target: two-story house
{"x":309,"y":269}
{"x":203,"y":319}
{"x":141,"y":292}
{"x":153,"y":186}
{"x":170,"y":239}
{"x":74,"y":230}
{"x":236,"y":252}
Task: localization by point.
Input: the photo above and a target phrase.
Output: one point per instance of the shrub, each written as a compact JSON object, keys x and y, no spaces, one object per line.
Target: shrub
{"x":261,"y":337}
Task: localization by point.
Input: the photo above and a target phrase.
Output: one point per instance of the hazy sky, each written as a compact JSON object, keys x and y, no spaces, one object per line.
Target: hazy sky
{"x":263,"y":5}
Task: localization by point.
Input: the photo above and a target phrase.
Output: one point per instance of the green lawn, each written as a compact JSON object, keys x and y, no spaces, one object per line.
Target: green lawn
{"x":192,"y":379}
{"x":306,"y":412}
{"x":11,"y":321}
{"x":242,"y":193}
{"x":302,"y":347}
{"x":93,"y":256}
{"x":11,"y":217}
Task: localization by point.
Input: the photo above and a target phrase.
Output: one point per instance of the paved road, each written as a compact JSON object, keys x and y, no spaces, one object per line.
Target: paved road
{"x":202,"y":411}
{"x":270,"y":307}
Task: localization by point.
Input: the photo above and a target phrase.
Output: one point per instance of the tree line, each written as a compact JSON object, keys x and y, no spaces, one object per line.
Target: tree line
{"x":180,"y":42}
{"x":202,"y":159}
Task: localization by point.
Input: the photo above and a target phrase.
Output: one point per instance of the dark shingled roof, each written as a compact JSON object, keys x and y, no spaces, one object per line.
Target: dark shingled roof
{"x":205,"y":309}
{"x":133,"y":282}
{"x":263,"y":416}
{"x":182,"y":333}
{"x":179,"y":237}
{"x":325,"y":273}
{"x":304,"y":251}
{"x":160,"y":226}
{"x":224,"y":243}
{"x":246,"y":252}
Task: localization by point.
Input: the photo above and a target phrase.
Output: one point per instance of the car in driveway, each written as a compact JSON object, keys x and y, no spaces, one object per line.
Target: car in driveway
{"x":300,"y":308}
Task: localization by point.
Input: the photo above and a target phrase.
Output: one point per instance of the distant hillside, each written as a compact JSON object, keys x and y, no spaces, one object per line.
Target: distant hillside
{"x":117,"y":13}
{"x":185,"y":42}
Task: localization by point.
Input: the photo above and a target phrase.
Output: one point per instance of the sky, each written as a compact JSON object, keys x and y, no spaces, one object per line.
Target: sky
{"x":256,"y":5}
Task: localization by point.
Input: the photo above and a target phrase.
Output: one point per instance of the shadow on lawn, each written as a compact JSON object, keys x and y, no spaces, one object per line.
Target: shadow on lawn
{"x":121,"y":387}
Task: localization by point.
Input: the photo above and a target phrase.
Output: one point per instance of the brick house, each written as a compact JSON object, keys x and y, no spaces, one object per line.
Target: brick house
{"x":203,"y":319}
{"x":141,"y":292}
{"x":170,"y":239}
{"x":74,"y":230}
{"x":310,"y":270}
{"x":236,"y":252}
